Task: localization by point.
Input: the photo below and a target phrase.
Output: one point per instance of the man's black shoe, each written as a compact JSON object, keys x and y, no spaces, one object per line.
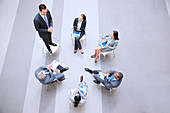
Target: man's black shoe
{"x":88,"y":70}
{"x":50,"y":52}
{"x":53,"y":44}
{"x":65,"y":69}
{"x":95,"y":81}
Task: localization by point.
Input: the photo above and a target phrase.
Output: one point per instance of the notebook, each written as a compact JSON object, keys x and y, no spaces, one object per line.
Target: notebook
{"x":76,"y":34}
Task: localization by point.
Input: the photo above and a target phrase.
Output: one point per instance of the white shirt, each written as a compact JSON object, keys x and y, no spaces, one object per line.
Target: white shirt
{"x":44,"y":16}
{"x":79,"y":24}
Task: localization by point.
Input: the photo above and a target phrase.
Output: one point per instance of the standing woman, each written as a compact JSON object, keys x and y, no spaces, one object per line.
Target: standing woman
{"x":79,"y":26}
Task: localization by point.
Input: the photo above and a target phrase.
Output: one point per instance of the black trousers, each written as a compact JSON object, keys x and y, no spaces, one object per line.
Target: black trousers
{"x":77,"y":42}
{"x":47,"y":41}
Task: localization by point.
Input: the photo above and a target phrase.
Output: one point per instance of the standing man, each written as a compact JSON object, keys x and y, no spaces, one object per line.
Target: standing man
{"x":44,"y":25}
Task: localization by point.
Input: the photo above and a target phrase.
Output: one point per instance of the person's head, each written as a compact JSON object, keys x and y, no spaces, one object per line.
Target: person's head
{"x":118,"y":75}
{"x":43,"y":9}
{"x":115,"y":35}
{"x":77,"y":99}
{"x":82,"y":17}
{"x":41,"y":75}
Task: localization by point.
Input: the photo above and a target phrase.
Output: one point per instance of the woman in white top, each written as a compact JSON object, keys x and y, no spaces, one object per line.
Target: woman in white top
{"x":79,"y":95}
{"x":79,"y":26}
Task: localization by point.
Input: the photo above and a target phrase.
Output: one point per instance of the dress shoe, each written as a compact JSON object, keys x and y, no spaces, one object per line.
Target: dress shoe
{"x":95,"y":81}
{"x":93,"y":56}
{"x":95,"y":61}
{"x":88,"y":70}
{"x":75,"y":52}
{"x":50,"y":52}
{"x":65,"y":69}
{"x":53,"y":44}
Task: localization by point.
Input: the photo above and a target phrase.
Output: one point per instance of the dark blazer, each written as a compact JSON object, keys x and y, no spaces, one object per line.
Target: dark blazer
{"x":111,"y":83}
{"x":41,"y":26}
{"x":50,"y":77}
{"x":83,"y":25}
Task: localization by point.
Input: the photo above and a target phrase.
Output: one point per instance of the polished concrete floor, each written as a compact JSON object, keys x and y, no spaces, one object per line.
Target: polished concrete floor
{"x":142,"y":56}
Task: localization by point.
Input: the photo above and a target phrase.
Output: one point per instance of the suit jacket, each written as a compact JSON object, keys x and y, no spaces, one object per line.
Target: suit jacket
{"x":41,"y":26}
{"x":111,"y":83}
{"x":83,"y":25}
{"x":111,"y":46}
{"x":50,"y":77}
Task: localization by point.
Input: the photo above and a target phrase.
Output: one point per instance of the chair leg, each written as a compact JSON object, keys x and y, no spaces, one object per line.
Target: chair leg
{"x":110,"y":91}
{"x":58,"y":81}
{"x":113,"y":54}
{"x":98,"y":86}
{"x":46,"y":87}
{"x":42,"y":50}
{"x":103,"y":58}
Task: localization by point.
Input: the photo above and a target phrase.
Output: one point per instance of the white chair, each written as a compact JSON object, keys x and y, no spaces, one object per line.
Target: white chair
{"x":111,"y":89}
{"x":106,"y":53}
{"x":73,"y":38}
{"x":53,"y":48}
{"x":113,"y":48}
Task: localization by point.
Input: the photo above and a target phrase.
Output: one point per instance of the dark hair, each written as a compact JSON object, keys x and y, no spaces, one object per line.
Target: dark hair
{"x":42,"y":6}
{"x":120,"y":76}
{"x":77,"y":100}
{"x":115,"y":34}
{"x":84,"y":17}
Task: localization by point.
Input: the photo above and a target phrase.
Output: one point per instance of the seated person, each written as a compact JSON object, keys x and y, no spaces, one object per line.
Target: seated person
{"x":79,"y":26}
{"x":80,"y":94}
{"x":46,"y":74}
{"x":111,"y":79}
{"x":108,"y":43}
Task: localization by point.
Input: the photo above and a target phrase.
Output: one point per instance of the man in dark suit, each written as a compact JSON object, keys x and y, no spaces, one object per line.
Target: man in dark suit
{"x":111,"y":79}
{"x":46,"y":75}
{"x":44,"y":25}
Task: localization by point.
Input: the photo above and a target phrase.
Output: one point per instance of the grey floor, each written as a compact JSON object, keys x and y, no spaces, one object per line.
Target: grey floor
{"x":142,"y":56}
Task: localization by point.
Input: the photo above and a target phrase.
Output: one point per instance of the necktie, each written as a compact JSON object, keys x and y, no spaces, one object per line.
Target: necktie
{"x":46,"y":21}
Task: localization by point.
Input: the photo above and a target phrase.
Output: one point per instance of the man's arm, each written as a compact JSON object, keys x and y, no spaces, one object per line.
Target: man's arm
{"x":50,"y":19}
{"x":37,"y":27}
{"x":83,"y":26}
{"x":75,"y":24}
{"x":49,"y":78}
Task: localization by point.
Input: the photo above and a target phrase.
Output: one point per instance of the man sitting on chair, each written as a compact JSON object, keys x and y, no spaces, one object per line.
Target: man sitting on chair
{"x":111,"y":79}
{"x":108,"y":43}
{"x":47,"y":75}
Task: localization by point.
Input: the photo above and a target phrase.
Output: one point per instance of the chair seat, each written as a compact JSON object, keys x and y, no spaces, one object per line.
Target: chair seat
{"x":53,"y":48}
{"x":82,"y":38}
{"x":105,"y":53}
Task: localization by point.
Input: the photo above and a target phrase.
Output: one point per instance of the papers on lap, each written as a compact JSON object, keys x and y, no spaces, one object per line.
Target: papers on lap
{"x":102,"y":45}
{"x":76,"y":34}
{"x":102,"y":77}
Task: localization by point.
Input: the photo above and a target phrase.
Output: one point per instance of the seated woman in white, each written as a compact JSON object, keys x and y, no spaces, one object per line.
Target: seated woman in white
{"x":79,"y":95}
{"x":108,"y":43}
